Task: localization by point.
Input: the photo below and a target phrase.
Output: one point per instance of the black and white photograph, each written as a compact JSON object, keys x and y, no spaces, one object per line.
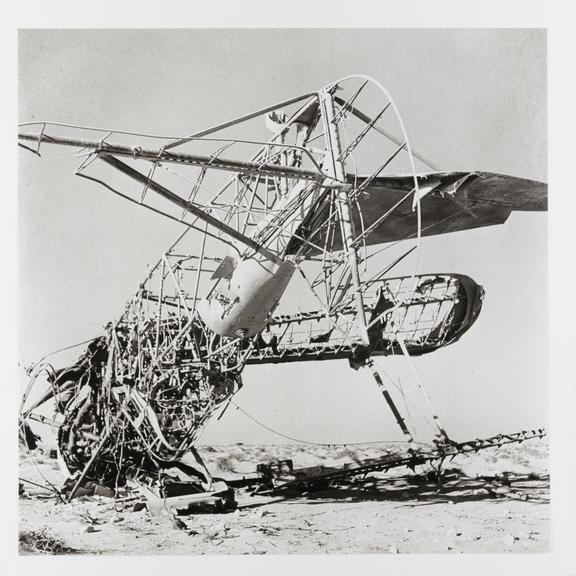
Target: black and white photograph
{"x":283,"y":291}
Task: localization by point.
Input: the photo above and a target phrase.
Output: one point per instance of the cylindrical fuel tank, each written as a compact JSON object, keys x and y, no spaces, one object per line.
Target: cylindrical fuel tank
{"x":240,"y":304}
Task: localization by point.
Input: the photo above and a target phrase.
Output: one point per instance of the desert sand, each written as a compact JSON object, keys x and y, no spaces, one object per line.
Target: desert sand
{"x":494,"y":501}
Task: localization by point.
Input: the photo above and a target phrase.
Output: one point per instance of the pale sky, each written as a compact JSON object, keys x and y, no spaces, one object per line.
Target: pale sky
{"x":470,"y":99}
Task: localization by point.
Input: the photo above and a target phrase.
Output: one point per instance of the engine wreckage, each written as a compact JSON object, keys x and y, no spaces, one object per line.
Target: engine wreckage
{"x":132,"y":406}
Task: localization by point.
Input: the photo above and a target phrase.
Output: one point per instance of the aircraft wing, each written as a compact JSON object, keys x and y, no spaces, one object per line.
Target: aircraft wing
{"x":450,"y":202}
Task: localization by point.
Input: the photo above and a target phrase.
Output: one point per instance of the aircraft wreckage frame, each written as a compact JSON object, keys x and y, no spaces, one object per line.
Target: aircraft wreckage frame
{"x":134,"y":403}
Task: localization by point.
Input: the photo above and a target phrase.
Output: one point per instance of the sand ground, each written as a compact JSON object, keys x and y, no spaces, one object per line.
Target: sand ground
{"x":399,"y":512}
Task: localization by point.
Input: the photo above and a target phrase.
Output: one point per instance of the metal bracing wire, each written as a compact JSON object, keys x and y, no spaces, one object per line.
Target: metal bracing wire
{"x":322,"y":304}
{"x":191,"y":226}
{"x":346,"y":106}
{"x":422,"y":389}
{"x":241,"y":119}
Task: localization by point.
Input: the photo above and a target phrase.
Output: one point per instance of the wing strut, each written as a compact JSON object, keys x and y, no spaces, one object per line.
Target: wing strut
{"x":369,"y":363}
{"x":371,"y":122}
{"x":335,"y":169}
{"x":443,"y":436}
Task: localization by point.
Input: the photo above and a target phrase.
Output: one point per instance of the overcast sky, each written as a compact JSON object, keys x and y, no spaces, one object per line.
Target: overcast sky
{"x":470,"y":99}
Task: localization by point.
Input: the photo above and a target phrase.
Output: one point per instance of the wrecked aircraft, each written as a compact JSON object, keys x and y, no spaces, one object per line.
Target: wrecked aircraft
{"x":259,"y":214}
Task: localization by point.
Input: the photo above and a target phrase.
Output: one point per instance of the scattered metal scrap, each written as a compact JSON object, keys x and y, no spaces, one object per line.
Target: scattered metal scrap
{"x":128,"y":411}
{"x":281,"y":475}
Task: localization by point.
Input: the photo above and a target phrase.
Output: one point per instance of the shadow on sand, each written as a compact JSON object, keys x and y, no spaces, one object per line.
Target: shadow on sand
{"x":422,"y":490}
